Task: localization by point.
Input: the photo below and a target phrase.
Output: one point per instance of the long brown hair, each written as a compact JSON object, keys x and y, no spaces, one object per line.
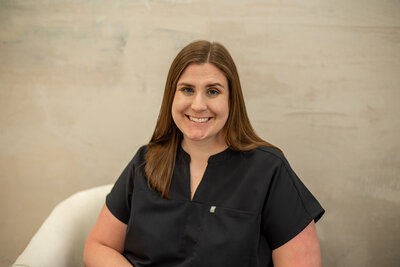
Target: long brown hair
{"x":239,"y":134}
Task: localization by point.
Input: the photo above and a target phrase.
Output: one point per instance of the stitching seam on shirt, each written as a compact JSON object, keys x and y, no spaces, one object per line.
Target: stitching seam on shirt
{"x":298,"y":193}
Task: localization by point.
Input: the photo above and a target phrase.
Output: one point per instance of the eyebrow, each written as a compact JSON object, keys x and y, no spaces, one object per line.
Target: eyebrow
{"x":208,"y":85}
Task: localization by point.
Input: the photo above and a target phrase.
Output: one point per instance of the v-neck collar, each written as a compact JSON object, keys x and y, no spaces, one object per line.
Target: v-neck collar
{"x":184,"y":157}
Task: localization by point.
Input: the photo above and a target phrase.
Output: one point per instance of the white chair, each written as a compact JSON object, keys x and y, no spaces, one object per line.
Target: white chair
{"x":60,"y":240}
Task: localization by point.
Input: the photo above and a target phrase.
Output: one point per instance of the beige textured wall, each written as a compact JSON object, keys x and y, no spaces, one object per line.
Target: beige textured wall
{"x":81,"y":84}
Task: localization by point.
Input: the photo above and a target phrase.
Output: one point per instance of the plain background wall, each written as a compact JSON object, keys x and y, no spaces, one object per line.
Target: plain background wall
{"x":81,"y":83}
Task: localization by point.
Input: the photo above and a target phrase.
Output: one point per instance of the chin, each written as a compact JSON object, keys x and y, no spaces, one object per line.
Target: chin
{"x":196,"y":138}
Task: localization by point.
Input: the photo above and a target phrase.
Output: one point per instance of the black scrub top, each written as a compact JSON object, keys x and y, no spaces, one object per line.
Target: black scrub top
{"x":246,"y":205}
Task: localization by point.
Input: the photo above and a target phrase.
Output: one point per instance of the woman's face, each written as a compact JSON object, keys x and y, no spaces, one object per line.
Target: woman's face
{"x":200,"y":107}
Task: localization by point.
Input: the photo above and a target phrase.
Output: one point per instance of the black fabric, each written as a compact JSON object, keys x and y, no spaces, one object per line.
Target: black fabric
{"x":247,"y":204}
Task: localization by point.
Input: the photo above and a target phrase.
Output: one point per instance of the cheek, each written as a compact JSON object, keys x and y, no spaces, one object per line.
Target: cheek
{"x":177,"y":103}
{"x":177,"y":109}
{"x":174,"y":111}
{"x":223,"y":110}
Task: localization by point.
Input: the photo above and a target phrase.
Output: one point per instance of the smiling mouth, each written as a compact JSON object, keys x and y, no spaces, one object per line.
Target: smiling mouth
{"x":198,"y":119}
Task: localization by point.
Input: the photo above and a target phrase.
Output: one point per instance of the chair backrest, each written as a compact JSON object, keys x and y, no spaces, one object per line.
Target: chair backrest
{"x":61,"y":238}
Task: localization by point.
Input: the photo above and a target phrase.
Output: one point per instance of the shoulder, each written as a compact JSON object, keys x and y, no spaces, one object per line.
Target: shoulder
{"x":139,"y":157}
{"x":270,"y":152}
{"x":141,"y":152}
{"x":264,"y":153}
{"x":267,"y":157}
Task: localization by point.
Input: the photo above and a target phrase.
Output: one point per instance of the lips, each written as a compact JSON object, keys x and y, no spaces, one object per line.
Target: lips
{"x":196,"y":119}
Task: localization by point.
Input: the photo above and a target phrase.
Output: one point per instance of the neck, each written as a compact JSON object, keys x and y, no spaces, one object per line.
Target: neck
{"x":203,"y":149}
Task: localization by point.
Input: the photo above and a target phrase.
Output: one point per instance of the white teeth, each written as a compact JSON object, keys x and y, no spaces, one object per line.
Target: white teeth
{"x":198,"y":119}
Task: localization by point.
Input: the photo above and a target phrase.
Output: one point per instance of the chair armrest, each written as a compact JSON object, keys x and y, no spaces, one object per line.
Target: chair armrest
{"x":61,"y":238}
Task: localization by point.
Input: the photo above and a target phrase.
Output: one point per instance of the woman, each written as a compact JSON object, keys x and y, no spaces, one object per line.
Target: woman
{"x":206,"y":190}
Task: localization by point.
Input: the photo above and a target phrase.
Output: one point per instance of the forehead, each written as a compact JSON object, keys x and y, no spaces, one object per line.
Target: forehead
{"x":202,"y":72}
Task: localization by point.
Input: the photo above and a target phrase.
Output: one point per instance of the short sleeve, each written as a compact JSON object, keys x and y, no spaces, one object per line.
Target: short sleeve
{"x":289,"y":207}
{"x":118,"y":201}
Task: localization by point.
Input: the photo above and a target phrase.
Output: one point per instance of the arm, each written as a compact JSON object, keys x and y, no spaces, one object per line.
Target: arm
{"x":105,"y":243}
{"x":302,"y":251}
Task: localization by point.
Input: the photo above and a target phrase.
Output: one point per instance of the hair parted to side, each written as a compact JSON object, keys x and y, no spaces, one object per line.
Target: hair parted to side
{"x":239,"y":134}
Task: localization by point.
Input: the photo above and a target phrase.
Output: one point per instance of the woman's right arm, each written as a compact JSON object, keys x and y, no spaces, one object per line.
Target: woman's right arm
{"x":105,"y":243}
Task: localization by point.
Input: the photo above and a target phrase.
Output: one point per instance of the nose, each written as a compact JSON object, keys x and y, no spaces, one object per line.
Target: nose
{"x":199,"y":103}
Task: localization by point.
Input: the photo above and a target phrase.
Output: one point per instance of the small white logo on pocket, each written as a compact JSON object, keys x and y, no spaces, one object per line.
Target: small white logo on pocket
{"x":212,"y":209}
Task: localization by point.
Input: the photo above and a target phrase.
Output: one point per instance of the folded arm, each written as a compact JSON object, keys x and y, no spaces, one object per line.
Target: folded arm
{"x":301,"y":251}
{"x":105,"y":243}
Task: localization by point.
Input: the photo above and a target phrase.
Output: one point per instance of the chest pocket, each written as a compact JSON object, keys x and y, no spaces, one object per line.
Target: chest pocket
{"x":180,"y":233}
{"x":229,"y":237}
